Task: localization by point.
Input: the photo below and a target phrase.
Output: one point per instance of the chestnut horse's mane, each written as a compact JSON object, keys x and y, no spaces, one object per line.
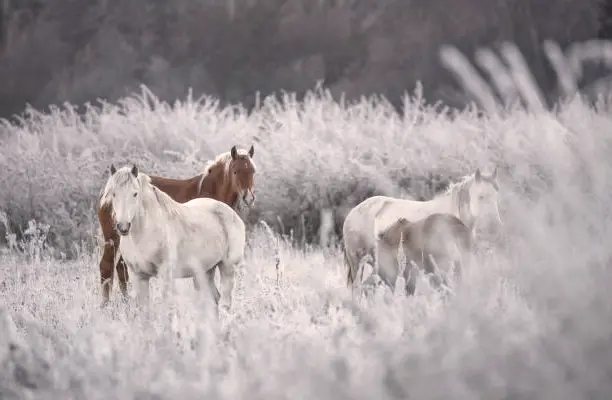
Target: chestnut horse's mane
{"x":223,"y":159}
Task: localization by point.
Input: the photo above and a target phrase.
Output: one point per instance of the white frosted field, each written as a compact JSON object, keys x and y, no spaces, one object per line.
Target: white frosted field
{"x":532,"y":320}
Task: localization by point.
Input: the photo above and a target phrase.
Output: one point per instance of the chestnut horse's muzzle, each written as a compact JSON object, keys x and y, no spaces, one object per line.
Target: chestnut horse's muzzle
{"x":248,"y":193}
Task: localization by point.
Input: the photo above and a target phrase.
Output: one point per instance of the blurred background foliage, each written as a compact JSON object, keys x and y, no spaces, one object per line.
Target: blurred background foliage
{"x":53,"y":51}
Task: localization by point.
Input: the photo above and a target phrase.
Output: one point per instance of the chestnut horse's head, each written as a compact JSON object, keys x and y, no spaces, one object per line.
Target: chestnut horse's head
{"x":241,"y":170}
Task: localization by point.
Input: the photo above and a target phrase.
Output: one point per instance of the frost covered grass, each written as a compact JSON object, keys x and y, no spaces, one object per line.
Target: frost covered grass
{"x":532,"y":320}
{"x":535,"y":322}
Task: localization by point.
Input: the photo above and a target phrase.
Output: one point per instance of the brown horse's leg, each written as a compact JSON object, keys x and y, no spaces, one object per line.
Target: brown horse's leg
{"x":107,"y":264}
{"x":122,"y":273}
{"x":111,"y":244}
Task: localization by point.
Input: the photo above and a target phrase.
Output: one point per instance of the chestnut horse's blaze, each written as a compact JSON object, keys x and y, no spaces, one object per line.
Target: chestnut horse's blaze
{"x":228,"y":178}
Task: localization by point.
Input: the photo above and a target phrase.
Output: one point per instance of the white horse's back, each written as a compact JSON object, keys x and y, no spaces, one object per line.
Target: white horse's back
{"x":223,"y":223}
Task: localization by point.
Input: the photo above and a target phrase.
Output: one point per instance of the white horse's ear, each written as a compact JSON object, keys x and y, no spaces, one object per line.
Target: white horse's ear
{"x":134,"y":170}
{"x":251,"y":151}
{"x":477,"y":175}
{"x":113,"y":169}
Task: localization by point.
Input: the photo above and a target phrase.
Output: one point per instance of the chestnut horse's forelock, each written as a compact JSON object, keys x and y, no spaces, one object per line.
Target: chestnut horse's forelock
{"x":221,"y":168}
{"x":224,"y":160}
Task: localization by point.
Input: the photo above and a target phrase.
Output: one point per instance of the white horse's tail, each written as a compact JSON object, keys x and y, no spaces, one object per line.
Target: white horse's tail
{"x":349,"y":277}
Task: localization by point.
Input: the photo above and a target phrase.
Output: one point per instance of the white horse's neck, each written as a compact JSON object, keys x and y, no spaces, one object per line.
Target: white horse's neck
{"x":457,"y":202}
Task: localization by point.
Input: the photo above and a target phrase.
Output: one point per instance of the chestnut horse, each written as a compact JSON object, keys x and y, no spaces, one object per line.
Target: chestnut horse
{"x":228,"y":178}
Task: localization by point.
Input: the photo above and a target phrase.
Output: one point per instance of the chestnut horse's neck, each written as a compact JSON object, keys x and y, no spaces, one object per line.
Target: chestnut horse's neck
{"x":218,"y":185}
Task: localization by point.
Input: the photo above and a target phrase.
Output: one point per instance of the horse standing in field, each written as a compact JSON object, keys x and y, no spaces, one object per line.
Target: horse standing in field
{"x":228,"y":178}
{"x":473,"y":199}
{"x":160,"y":236}
{"x":440,"y":236}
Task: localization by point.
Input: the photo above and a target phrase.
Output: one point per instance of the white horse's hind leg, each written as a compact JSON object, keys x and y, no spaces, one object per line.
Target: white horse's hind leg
{"x":210,"y":277}
{"x":206,"y":281}
{"x":226,"y":274}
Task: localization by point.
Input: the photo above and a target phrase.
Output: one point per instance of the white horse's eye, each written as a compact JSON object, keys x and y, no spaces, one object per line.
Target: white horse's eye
{"x":135,"y":194}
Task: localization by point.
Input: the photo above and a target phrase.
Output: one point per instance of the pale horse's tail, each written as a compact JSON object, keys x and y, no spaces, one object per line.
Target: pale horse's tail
{"x":349,"y":267}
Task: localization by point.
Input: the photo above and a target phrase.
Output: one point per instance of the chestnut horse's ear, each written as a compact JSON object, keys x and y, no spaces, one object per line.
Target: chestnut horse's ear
{"x":251,"y":151}
{"x":234,"y":152}
{"x":113,"y":169}
{"x":135,"y":171}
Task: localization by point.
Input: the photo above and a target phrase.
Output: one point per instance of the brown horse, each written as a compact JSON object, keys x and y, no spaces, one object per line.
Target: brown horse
{"x":228,"y":178}
{"x":441,"y":235}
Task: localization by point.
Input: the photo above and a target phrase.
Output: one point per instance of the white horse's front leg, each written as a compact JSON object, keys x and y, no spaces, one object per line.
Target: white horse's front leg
{"x":226,"y":278}
{"x":142,"y":285}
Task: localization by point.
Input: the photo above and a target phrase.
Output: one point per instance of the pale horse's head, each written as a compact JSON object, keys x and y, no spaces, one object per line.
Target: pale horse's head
{"x":484,"y":199}
{"x":123,"y":190}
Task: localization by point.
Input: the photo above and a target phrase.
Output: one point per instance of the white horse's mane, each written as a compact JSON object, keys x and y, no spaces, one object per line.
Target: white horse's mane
{"x":460,"y":191}
{"x":123,"y":176}
{"x":225,"y":159}
{"x":119,"y":179}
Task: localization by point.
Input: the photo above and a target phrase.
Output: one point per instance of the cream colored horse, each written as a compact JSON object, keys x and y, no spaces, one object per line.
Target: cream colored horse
{"x":438,"y":245}
{"x":473,"y":199}
{"x":161,"y":237}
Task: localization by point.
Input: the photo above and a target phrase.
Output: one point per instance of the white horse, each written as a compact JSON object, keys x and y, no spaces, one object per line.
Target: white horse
{"x":182,"y":240}
{"x":473,"y":199}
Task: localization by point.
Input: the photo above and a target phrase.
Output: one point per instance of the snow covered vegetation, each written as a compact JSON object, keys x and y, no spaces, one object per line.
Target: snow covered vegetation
{"x":533,"y":318}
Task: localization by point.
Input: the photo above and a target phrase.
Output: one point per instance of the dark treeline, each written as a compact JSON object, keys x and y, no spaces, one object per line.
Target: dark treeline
{"x":53,"y":51}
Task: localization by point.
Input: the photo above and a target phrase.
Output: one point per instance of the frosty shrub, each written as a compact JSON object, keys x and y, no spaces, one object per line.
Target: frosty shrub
{"x":313,"y":154}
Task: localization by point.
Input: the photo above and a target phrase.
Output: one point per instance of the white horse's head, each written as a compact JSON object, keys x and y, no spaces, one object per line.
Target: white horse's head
{"x":484,"y":198}
{"x":123,"y":190}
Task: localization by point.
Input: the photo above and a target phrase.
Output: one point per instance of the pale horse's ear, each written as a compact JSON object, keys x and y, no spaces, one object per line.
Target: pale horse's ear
{"x":113,"y":169}
{"x":135,"y":170}
{"x":494,"y":174}
{"x":251,"y":151}
{"x":477,"y":175}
